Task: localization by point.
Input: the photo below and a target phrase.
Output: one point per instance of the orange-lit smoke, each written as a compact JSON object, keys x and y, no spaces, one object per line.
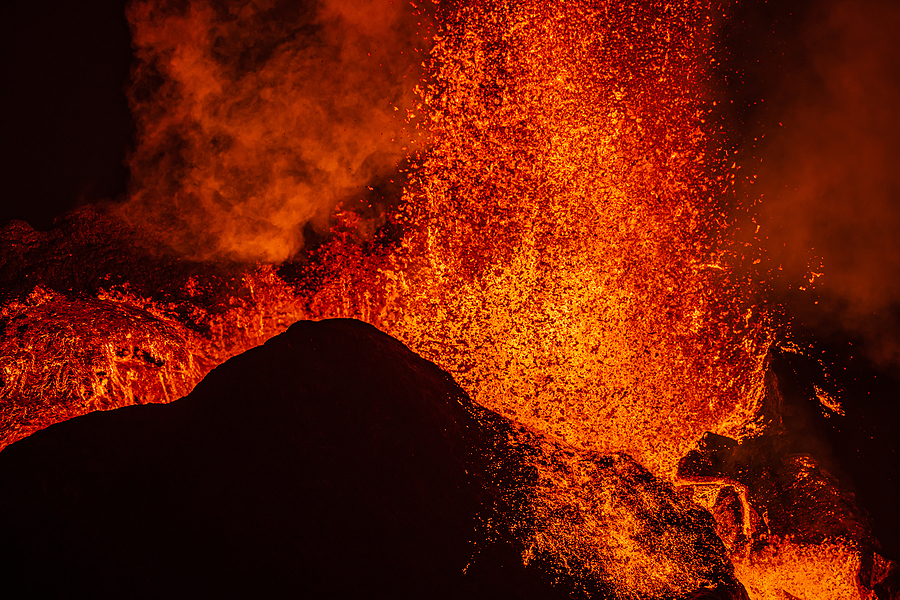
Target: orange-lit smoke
{"x":257,"y":117}
{"x":829,"y":177}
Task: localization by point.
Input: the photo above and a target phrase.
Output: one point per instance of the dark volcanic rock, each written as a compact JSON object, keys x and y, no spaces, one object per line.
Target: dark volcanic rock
{"x":788,"y":500}
{"x":89,"y":249}
{"x":799,"y":499}
{"x":330,"y":463}
{"x":93,"y":317}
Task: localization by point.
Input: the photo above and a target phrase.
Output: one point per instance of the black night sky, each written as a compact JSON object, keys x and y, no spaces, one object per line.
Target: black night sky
{"x":65,"y":122}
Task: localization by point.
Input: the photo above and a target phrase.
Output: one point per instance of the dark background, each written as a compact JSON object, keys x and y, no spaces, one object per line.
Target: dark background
{"x":772,"y":74}
{"x":64,"y":120}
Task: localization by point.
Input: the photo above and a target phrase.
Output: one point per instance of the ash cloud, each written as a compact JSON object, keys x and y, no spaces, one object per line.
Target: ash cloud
{"x":830,"y":177}
{"x":256,"y":117}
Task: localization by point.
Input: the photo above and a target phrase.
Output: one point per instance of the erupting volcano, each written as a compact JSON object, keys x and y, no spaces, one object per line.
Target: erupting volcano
{"x":544,"y":200}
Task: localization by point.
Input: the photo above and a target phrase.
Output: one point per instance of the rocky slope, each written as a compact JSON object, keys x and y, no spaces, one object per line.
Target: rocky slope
{"x":333,"y":462}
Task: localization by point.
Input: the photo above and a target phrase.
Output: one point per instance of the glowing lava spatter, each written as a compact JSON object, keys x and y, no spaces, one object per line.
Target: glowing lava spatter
{"x":566,"y":256}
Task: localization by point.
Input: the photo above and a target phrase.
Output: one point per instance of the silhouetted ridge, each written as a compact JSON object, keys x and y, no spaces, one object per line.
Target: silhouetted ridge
{"x":331,"y":462}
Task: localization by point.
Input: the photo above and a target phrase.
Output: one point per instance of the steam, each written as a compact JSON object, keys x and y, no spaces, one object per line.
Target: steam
{"x":830,"y":177}
{"x":256,"y":117}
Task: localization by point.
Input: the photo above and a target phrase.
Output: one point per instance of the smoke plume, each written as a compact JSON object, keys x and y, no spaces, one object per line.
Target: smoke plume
{"x":831,"y":188}
{"x":256,"y":117}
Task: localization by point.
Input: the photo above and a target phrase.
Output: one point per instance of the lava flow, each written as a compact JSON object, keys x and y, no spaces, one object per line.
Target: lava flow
{"x":563,"y":246}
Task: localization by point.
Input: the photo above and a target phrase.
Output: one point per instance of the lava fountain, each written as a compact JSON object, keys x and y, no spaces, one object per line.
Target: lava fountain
{"x":567,"y":253}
